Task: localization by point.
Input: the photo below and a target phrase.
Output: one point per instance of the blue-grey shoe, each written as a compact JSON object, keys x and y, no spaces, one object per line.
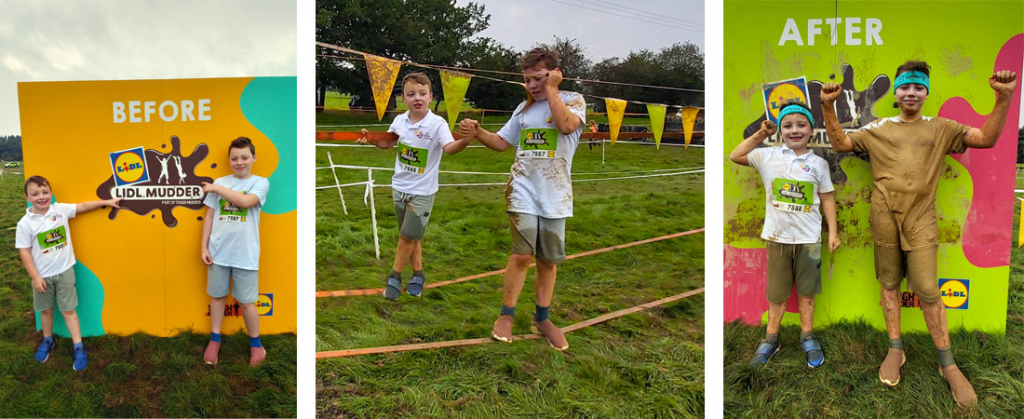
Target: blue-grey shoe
{"x":815,"y":356}
{"x":45,"y":347}
{"x":415,"y":285}
{"x":393,"y":289}
{"x":764,"y":352}
{"x":80,"y":359}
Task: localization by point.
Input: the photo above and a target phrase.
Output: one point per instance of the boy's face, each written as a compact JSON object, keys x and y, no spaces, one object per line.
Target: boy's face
{"x":39,"y":196}
{"x":911,"y":97}
{"x":796,"y":131}
{"x":536,"y":79}
{"x":417,"y":97}
{"x":241,"y":161}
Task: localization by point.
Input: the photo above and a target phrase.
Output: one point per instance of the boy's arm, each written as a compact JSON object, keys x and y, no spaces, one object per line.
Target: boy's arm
{"x":457,"y":145}
{"x":26,"y":259}
{"x":564,"y":119}
{"x":471,"y":129}
{"x":91,"y":205}
{"x":828,"y":206}
{"x":382,"y":144}
{"x":1003,"y":82}
{"x":237,"y":199}
{"x":204,"y":249}
{"x":739,"y":154}
{"x":840,"y":141}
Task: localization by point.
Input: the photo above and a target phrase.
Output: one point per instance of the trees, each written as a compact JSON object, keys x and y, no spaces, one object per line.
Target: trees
{"x":10,"y":148}
{"x":681,"y":65}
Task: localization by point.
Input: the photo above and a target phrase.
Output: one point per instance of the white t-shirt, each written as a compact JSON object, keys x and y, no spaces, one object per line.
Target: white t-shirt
{"x":49,"y":237}
{"x":541,"y":181}
{"x":420,"y":146}
{"x":235,"y":235}
{"x":792,"y":184}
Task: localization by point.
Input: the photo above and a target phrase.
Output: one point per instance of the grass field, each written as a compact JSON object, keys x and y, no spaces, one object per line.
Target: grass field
{"x":648,"y":364}
{"x":847,"y":386}
{"x":128,"y":376}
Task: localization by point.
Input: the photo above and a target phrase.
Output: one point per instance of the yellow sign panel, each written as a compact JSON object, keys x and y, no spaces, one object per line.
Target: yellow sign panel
{"x":152,"y":143}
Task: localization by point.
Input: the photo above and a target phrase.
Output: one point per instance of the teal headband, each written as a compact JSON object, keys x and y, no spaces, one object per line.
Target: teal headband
{"x":912,"y":77}
{"x":791,"y":109}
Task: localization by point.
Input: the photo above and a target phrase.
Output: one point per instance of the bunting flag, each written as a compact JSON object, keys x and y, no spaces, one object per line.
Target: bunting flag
{"x":657,"y":114}
{"x":689,"y":118}
{"x":615,"y":108}
{"x":454,"y":85}
{"x":383,"y":73}
{"x":1020,"y":226}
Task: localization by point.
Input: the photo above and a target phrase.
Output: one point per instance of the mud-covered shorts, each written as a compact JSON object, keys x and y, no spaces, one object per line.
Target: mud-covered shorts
{"x":906,"y":245}
{"x":536,"y":235}
{"x":793,"y":263}
{"x":413,"y":213}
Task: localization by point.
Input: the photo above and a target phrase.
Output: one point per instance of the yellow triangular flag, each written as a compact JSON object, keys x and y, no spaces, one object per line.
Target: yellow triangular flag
{"x":383,"y":73}
{"x":689,"y":118}
{"x":1020,"y":226}
{"x":454,"y":85}
{"x":657,"y":114}
{"x":615,"y":108}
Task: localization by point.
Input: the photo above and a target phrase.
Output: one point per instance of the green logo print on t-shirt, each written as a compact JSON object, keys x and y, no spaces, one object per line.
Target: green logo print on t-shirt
{"x":538,"y":142}
{"x":229,"y":212}
{"x":792,"y":195}
{"x":412,"y":159}
{"x":52,"y":238}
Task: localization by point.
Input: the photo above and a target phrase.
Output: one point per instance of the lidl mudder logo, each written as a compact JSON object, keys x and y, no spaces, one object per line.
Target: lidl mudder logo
{"x":536,"y":138}
{"x":410,"y":155}
{"x":792,"y":191}
{"x":955,"y":292}
{"x":150,"y":180}
{"x":129,"y":166}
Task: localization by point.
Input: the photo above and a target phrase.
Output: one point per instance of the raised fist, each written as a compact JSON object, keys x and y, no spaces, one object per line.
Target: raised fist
{"x":768,"y":128}
{"x":830,"y":92}
{"x":554,"y":78}
{"x":1003,"y":82}
{"x":468,"y":128}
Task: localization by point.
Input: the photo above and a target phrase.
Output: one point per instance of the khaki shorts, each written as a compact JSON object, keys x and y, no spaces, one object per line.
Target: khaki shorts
{"x":413,"y":213}
{"x":920,"y":270}
{"x":793,"y":263}
{"x":536,"y":235}
{"x":60,"y":289}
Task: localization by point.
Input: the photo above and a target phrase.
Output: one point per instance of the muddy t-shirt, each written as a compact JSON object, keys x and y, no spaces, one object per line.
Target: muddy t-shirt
{"x":235,"y":235}
{"x":541,"y":182}
{"x":792,"y":184}
{"x":49,"y":237}
{"x":420,"y":146}
{"x":907,"y":158}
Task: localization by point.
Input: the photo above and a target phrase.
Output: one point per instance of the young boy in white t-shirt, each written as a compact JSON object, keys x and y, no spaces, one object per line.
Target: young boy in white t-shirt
{"x":422,"y":136}
{"x":796,"y":183}
{"x":231,"y":246}
{"x":545,"y":130}
{"x":43,"y":240}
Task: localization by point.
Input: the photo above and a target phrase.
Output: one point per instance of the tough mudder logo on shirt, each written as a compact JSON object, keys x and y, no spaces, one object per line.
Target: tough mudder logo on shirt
{"x":169,"y":181}
{"x":230,"y":212}
{"x":792,"y":195}
{"x":538,"y":142}
{"x":412,"y":159}
{"x":55,"y":238}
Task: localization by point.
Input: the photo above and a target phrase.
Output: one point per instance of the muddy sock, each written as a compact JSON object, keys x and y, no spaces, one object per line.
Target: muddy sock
{"x":418,"y":273}
{"x":542,"y":313}
{"x":508,"y":311}
{"x":771,"y":338}
{"x":946,"y":357}
{"x":806,"y":336}
{"x":896,"y":343}
{"x":395,"y":274}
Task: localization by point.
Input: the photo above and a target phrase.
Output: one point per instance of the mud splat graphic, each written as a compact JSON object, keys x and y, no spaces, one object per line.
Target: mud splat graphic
{"x":172,"y":183}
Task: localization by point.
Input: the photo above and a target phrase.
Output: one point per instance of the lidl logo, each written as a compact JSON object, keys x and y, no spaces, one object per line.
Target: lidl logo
{"x":265,"y":305}
{"x":129,"y":166}
{"x":955,"y":292}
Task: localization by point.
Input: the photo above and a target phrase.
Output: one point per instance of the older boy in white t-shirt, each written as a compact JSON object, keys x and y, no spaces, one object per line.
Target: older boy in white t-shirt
{"x":545,"y":130}
{"x":422,"y":136}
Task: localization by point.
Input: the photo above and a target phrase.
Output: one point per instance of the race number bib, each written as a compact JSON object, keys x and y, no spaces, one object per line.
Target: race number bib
{"x":412,"y":159}
{"x":229,"y":212}
{"x":792,"y":195}
{"x":54,"y":239}
{"x":538,"y":143}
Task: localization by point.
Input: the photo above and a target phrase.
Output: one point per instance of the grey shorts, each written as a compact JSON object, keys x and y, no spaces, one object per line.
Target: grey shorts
{"x":790,"y":264}
{"x":413,"y":213}
{"x":536,"y":235}
{"x":60,"y":289}
{"x":218,"y":278}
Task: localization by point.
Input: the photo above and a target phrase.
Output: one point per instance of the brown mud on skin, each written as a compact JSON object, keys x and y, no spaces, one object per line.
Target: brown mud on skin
{"x":153,"y":167}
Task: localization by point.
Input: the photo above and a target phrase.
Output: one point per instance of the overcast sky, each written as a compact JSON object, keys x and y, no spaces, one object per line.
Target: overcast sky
{"x":593,"y":24}
{"x":123,"y":40}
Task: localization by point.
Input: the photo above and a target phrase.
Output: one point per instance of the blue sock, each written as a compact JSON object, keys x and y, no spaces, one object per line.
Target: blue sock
{"x":511,"y":311}
{"x":215,"y":337}
{"x":255,"y":342}
{"x":79,"y":345}
{"x":542,"y":313}
{"x":48,"y":339}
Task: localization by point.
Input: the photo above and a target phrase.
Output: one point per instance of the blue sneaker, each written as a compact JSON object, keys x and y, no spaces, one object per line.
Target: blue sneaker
{"x":45,"y":347}
{"x":764,"y":352}
{"x":815,"y":356}
{"x":80,"y":359}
